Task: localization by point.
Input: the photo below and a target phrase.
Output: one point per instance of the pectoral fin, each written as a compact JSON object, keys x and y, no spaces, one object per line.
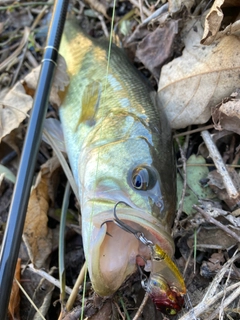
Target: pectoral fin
{"x":90,"y":103}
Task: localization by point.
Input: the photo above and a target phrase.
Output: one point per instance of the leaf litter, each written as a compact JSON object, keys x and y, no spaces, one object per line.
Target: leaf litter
{"x":192,"y":49}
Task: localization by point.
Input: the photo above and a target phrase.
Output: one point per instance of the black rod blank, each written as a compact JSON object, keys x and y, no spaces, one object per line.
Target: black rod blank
{"x":17,"y":214}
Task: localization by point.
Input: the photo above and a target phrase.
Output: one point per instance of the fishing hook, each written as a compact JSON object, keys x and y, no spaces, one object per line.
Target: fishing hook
{"x":139,"y":235}
{"x":144,"y":278}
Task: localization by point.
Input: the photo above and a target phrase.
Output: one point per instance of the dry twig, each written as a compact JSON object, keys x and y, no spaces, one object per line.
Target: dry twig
{"x":211,"y":297}
{"x":220,"y":165}
{"x":48,"y":277}
{"x":75,"y":289}
{"x":226,"y":302}
{"x":140,"y":310}
{"x":156,"y":14}
{"x":217,"y":223}
{"x":23,"y":42}
{"x":193,"y":131}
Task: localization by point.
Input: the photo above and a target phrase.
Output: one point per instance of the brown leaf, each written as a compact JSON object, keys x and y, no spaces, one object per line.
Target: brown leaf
{"x":176,"y":5}
{"x":236,"y":213}
{"x":213,"y":265}
{"x":72,"y":315}
{"x":104,"y":313}
{"x":212,"y":237}
{"x":98,"y":6}
{"x":227,"y":115}
{"x":212,"y":22}
{"x":13,"y":109}
{"x":14,"y":139}
{"x":221,"y":21}
{"x":133,"y":40}
{"x":150,"y":51}
{"x":231,"y":108}
{"x":60,"y":81}
{"x":216,"y":184}
{"x":14,"y":302}
{"x":191,"y":84}
{"x":37,"y":236}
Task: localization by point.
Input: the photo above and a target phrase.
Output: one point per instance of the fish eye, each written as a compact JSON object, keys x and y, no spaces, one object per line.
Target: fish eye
{"x":140,"y":179}
{"x":158,"y":258}
{"x":143,"y":178}
{"x":171,"y":311}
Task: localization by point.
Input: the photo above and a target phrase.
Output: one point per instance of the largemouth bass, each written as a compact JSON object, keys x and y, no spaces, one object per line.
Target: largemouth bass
{"x":119,"y":146}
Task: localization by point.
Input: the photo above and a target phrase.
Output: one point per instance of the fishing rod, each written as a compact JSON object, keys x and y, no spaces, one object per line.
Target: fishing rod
{"x":17,"y":213}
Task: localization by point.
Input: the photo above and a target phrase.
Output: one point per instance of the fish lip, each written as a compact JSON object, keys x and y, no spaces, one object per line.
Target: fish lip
{"x":147,"y":221}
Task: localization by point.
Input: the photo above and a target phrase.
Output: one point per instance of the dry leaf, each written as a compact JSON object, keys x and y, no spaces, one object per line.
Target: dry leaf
{"x":212,"y":237}
{"x":231,"y":108}
{"x":213,"y":265}
{"x":60,"y":81}
{"x":99,"y":7}
{"x":72,"y":315}
{"x":236,"y":213}
{"x":104,"y":313}
{"x":218,"y":19}
{"x":231,"y":29}
{"x":151,"y":53}
{"x":133,"y":40}
{"x":227,"y":114}
{"x":13,"y":109}
{"x":176,"y":5}
{"x":216,"y":184}
{"x":37,"y":236}
{"x":18,"y":101}
{"x":14,"y":302}
{"x":204,"y":75}
{"x":212,"y":22}
{"x":14,"y":139}
{"x":233,"y":220}
{"x":218,"y":212}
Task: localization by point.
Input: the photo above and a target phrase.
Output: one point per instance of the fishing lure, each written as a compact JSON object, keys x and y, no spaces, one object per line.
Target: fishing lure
{"x":165,"y":284}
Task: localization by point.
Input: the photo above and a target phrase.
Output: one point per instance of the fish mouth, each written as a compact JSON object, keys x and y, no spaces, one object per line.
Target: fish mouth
{"x":114,"y":253}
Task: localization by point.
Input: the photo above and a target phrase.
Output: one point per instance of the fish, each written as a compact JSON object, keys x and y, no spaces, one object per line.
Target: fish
{"x":119,"y":145}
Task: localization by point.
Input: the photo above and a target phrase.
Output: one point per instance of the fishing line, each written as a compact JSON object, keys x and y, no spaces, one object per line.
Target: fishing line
{"x":98,"y":157}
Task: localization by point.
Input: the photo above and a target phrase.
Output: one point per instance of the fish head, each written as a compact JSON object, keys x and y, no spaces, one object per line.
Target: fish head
{"x":114,"y":170}
{"x":167,"y":299}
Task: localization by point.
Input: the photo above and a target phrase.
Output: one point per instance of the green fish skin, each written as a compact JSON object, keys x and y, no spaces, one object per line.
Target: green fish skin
{"x":119,"y":146}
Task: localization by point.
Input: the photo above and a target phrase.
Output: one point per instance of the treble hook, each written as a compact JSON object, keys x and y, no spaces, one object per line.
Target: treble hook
{"x":139,"y":235}
{"x":144,"y":278}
